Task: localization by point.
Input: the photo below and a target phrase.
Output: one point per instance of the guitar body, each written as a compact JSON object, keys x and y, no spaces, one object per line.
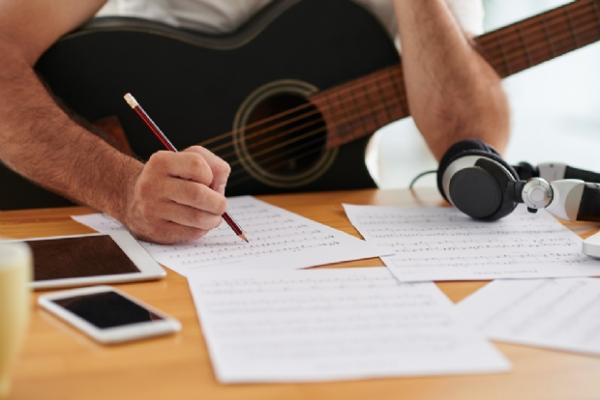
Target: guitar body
{"x":198,"y":87}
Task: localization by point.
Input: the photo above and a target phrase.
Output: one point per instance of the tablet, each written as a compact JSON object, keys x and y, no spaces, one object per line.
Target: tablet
{"x":90,"y":259}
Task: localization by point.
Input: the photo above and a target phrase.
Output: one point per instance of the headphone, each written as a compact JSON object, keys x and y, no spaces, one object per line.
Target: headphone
{"x":474,"y":178}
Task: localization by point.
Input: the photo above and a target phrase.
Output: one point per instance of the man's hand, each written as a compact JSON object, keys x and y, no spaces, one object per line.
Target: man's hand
{"x":174,"y":197}
{"x":178,"y":197}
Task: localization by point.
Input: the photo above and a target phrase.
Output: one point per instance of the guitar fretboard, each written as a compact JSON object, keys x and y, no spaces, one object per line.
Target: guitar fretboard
{"x":357,"y":108}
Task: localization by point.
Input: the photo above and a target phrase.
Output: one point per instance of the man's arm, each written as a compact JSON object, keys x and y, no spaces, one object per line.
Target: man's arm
{"x":453,"y":93}
{"x":169,"y":199}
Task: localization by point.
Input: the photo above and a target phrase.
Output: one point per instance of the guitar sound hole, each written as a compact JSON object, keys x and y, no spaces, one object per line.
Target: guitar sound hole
{"x":285,"y":134}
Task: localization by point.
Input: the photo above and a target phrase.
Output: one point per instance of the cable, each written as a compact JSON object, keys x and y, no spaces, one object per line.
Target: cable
{"x":422,"y":174}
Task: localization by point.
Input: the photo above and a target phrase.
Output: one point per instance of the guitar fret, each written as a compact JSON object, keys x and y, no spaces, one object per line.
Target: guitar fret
{"x":373,"y":100}
{"x":547,"y":36}
{"x":356,"y":112}
{"x":567,"y":13}
{"x":504,"y":59}
{"x":346,"y":117}
{"x":383,"y":101}
{"x":525,"y":47}
{"x":596,"y":9}
{"x":373,"y":115}
{"x":399,"y":93}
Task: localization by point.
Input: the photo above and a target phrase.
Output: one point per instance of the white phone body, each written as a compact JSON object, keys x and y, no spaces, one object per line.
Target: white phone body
{"x":117,"y":334}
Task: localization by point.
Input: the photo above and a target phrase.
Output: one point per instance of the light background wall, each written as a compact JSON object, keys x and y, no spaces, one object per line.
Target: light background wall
{"x":555,"y":111}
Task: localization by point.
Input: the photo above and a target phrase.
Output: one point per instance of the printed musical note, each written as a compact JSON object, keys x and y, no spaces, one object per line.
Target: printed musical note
{"x":553,"y":313}
{"x":440,"y":243}
{"x":278,"y":239}
{"x":331,"y":324}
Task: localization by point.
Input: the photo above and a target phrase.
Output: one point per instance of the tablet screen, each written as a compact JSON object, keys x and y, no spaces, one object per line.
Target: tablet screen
{"x":78,"y":257}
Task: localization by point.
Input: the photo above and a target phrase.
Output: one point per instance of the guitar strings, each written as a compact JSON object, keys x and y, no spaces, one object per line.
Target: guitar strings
{"x":235,"y":182}
{"x":508,"y":56}
{"x":291,"y":151}
{"x":574,"y":35}
{"x":341,"y":89}
{"x":298,"y":138}
{"x":317,"y":141}
{"x":518,"y":52}
{"x":367,"y":90}
{"x":312,"y":149}
{"x":385,"y":105}
{"x":397,"y":100}
{"x":553,"y":18}
{"x":316,"y":111}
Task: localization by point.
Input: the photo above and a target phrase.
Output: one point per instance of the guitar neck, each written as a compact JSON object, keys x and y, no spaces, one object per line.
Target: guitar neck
{"x":357,"y":108}
{"x":533,"y":41}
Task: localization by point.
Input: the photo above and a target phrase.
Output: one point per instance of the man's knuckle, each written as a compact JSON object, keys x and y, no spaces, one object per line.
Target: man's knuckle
{"x":198,"y":194}
{"x":224,"y":167}
{"x":158,"y":159}
{"x":207,"y":175}
{"x":196,"y":162}
{"x":201,"y":169}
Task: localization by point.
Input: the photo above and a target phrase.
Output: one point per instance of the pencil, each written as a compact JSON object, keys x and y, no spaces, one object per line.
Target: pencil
{"x":160,"y":135}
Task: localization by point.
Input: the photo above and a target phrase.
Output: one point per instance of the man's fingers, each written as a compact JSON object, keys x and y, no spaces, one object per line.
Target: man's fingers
{"x":186,"y":165}
{"x":195,"y":195}
{"x":168,"y":232}
{"x":220,"y":169}
{"x":173,"y":200}
{"x":188,"y":216}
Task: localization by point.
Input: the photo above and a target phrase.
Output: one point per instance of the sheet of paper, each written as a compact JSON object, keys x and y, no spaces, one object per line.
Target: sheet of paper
{"x":278,"y":239}
{"x":330,"y":324}
{"x":554,"y":313}
{"x":441,"y":243}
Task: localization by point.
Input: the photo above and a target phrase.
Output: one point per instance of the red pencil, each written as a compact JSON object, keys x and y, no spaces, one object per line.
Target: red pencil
{"x":160,"y":135}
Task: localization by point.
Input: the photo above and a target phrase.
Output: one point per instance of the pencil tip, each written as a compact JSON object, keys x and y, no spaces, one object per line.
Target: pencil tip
{"x":243,"y":237}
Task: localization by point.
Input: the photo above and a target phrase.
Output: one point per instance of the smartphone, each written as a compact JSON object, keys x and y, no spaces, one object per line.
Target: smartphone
{"x":108,"y":315}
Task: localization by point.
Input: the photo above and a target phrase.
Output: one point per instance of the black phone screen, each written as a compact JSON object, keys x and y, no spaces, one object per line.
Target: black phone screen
{"x":107,"y":309}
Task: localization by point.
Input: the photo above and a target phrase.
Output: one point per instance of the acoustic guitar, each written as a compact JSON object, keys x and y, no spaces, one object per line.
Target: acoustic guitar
{"x":289,"y":100}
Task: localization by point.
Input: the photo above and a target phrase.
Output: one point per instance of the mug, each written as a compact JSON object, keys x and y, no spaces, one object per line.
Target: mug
{"x":15,"y":276}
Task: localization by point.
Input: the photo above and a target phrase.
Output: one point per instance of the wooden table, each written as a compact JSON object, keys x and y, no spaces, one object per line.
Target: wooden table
{"x":58,"y":362}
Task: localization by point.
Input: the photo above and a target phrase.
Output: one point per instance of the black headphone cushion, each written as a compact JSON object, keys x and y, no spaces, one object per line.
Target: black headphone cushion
{"x":465,"y":148}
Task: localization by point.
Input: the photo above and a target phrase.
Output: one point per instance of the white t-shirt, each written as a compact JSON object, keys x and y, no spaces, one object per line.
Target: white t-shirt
{"x":222,"y":16}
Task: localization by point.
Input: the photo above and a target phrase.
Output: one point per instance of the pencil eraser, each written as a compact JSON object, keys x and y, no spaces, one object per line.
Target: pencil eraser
{"x":131,"y":100}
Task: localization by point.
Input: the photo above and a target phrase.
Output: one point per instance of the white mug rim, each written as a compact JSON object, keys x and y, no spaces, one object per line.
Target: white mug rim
{"x":14,"y":255}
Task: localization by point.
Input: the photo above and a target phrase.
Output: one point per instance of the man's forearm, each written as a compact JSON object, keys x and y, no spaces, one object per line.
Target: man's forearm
{"x":452,"y":92}
{"x":38,"y":140}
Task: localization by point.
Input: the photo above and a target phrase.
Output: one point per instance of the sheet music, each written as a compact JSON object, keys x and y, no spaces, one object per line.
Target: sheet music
{"x":278,"y":239}
{"x":441,"y":243}
{"x":313,"y":325}
{"x":553,"y":313}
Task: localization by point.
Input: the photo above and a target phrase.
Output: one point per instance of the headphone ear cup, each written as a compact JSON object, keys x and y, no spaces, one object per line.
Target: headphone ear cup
{"x":482,"y":190}
{"x":476,"y":192}
{"x":464,"y":148}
